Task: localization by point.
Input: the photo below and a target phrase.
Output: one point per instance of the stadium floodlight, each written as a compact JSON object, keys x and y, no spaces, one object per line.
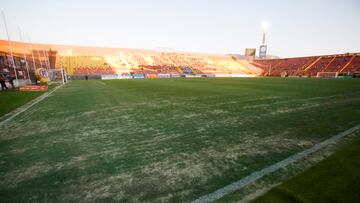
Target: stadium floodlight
{"x":265,"y":26}
{"x":263,"y":47}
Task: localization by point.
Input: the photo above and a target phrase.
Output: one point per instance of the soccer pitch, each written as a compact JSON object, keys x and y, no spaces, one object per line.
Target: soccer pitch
{"x":165,"y":139}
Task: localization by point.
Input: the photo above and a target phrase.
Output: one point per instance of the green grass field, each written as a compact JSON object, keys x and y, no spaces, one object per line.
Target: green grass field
{"x":9,"y":100}
{"x":336,"y":179}
{"x":165,"y":139}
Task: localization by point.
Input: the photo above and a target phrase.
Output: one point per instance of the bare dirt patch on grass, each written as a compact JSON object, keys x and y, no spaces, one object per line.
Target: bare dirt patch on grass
{"x":171,"y":178}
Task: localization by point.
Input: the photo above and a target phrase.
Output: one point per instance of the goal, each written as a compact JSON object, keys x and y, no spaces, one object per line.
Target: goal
{"x":57,"y":76}
{"x":327,"y":75}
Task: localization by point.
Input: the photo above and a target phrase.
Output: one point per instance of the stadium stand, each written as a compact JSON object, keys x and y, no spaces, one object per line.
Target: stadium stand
{"x":27,"y":58}
{"x":94,"y":61}
{"x":310,"y":66}
{"x":354,"y":65}
{"x":78,"y":60}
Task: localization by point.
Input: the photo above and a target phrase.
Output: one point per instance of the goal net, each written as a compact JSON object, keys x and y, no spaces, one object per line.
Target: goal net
{"x":327,"y":74}
{"x":57,"y":76}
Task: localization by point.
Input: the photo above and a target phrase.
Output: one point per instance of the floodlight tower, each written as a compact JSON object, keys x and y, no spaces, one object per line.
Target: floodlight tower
{"x":263,"y":46}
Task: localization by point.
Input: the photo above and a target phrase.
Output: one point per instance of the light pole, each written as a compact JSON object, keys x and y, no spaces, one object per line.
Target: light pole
{"x":10,"y":47}
{"x":26,"y":62}
{"x":263,"y":46}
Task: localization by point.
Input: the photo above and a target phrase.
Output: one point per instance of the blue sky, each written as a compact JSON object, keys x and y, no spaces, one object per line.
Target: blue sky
{"x":297,"y":27}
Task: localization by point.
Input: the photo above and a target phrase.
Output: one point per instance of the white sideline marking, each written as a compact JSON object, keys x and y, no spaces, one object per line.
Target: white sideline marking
{"x":26,"y":106}
{"x":272,"y":168}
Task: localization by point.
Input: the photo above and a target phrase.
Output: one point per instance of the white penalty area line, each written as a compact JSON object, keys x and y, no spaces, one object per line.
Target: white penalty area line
{"x":28,"y":105}
{"x":272,"y":168}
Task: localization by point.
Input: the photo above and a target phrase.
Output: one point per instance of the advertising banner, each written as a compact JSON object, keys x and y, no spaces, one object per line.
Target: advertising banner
{"x":151,"y":76}
{"x":115,"y":76}
{"x":164,"y":75}
{"x":32,"y":88}
{"x":138,"y":76}
{"x":222,"y":75}
{"x":109,"y":77}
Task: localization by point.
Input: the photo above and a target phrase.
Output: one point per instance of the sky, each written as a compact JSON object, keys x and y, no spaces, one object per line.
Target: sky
{"x":296,"y":27}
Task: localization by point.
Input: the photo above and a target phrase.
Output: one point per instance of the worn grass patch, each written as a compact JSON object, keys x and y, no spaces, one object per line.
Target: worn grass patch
{"x":165,"y":139}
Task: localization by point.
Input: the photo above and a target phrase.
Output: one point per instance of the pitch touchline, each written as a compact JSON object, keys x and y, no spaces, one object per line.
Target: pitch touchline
{"x":270,"y":169}
{"x":27,"y":106}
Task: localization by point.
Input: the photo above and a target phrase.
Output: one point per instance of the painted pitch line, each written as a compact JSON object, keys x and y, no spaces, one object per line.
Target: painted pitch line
{"x":272,"y":168}
{"x":26,"y":106}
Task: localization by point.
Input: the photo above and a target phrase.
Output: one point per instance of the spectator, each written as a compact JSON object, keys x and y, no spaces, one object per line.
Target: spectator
{"x":2,"y":81}
{"x":11,"y":81}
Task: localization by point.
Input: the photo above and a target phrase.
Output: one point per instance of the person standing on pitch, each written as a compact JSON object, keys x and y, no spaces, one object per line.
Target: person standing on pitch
{"x":2,"y":81}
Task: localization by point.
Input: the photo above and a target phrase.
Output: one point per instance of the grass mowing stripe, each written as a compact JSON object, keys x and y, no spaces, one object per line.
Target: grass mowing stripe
{"x":259,"y":174}
{"x":25,"y":107}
